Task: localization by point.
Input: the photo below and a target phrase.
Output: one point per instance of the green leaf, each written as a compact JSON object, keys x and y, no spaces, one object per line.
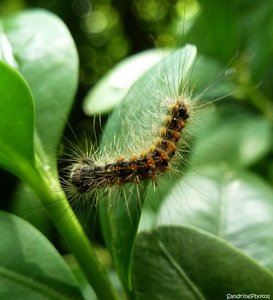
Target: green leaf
{"x":185,"y":263}
{"x":126,"y":133}
{"x":241,"y":141}
{"x":16,"y":122}
{"x":46,"y":56}
{"x":30,"y":268}
{"x":110,"y":90}
{"x":237,"y":207}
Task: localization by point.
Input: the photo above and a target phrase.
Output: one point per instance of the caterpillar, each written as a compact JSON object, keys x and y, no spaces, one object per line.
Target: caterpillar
{"x":151,"y":138}
{"x":88,"y":175}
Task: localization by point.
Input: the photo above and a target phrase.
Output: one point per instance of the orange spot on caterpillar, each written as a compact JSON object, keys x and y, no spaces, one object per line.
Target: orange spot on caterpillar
{"x":133,"y":166}
{"x":150,"y":163}
{"x":163,"y":155}
{"x":169,"y":147}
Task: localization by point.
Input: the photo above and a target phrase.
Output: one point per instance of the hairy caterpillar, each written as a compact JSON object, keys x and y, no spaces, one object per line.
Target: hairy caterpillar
{"x":151,"y":138}
{"x":148,"y":165}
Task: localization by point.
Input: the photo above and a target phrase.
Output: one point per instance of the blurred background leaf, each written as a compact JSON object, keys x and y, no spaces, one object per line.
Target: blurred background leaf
{"x":45,"y":54}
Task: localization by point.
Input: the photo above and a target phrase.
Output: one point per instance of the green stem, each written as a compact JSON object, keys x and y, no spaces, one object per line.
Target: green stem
{"x":72,"y":232}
